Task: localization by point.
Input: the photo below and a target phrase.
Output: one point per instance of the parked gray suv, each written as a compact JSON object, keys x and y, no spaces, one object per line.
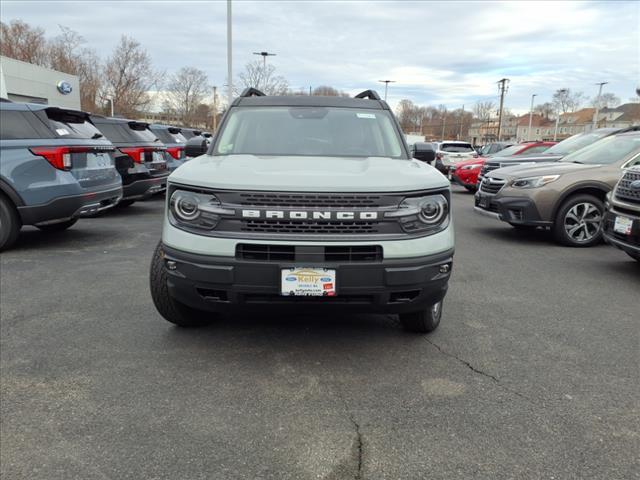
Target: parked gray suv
{"x":56,"y":167}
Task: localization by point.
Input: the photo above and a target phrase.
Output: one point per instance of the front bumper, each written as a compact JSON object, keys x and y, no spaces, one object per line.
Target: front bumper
{"x":66,"y":208}
{"x":515,"y":210}
{"x":223,"y":284}
{"x":629,"y":243}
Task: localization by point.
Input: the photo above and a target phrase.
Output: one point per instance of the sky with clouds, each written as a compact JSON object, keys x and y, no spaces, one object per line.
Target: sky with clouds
{"x":450,"y":53}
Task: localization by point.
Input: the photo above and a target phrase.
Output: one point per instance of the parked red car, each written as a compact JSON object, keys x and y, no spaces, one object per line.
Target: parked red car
{"x":466,"y":173}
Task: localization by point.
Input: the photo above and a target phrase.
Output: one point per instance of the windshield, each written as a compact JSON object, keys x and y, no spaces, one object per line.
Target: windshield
{"x":456,"y":147}
{"x":608,"y":150}
{"x":575,"y":143}
{"x":512,"y":150}
{"x":323,"y":131}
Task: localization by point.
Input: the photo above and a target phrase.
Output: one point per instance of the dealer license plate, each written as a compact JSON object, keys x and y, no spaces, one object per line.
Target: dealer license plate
{"x":482,"y":202}
{"x":308,"y":282}
{"x":623,"y":225}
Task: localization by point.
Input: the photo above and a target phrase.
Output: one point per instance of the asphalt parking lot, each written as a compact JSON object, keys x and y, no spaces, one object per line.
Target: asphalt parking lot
{"x":532,"y":374}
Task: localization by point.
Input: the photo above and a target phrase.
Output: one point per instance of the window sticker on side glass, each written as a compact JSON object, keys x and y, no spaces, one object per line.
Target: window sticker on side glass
{"x":366,"y":115}
{"x":62,"y":131}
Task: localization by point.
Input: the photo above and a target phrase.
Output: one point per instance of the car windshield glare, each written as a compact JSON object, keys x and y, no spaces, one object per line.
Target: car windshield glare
{"x":456,"y":147}
{"x":309,"y":131}
{"x":513,"y":149}
{"x":606,"y":151}
{"x":574,"y":143}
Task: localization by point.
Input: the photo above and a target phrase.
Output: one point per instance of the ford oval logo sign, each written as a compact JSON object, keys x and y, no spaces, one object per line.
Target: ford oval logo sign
{"x":65,"y":88}
{"x":635,"y":185}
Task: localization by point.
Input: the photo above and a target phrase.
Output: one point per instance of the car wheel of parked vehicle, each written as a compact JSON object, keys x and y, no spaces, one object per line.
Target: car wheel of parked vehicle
{"x":125,"y":203}
{"x":57,"y":227}
{"x":579,"y":221}
{"x":423,"y":321}
{"x":9,"y":224}
{"x":172,"y":310}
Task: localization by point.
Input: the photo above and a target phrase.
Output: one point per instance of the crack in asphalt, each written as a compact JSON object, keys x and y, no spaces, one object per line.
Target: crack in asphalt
{"x":359,"y":446}
{"x":480,"y":372}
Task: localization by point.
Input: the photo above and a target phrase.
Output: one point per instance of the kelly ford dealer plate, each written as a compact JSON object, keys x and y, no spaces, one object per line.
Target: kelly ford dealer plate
{"x":623,"y":225}
{"x":308,"y":282}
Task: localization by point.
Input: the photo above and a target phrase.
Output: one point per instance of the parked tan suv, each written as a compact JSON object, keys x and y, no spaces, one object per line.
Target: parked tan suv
{"x":622,"y":220}
{"x":566,"y":196}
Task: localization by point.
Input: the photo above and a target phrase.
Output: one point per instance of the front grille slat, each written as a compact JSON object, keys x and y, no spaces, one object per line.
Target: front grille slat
{"x":491,"y":185}
{"x":288,"y":226}
{"x":309,"y":200}
{"x":624,"y":192}
{"x":286,"y":253}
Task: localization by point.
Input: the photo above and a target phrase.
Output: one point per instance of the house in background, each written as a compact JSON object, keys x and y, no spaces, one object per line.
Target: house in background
{"x":541,"y":128}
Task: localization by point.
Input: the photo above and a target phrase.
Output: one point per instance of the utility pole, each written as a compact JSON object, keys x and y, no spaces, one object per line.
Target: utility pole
{"x":264,"y":57}
{"x":595,"y":115}
{"x":503,"y":89}
{"x":555,"y":133}
{"x":461,"y":121}
{"x":444,"y":122}
{"x":386,"y":86}
{"x":229,"y":59}
{"x":111,"y":103}
{"x":215,"y":108}
{"x":309,"y":90}
{"x":531,"y":116}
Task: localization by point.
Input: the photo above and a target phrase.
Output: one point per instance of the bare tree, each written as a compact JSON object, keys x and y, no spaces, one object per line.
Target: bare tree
{"x":23,"y":42}
{"x":258,"y":76}
{"x":128,"y":75}
{"x":546,"y":110}
{"x":185,"y":92}
{"x":484,"y":110}
{"x":564,"y":100}
{"x":327,"y":91}
{"x":67,"y":54}
{"x":606,"y":100}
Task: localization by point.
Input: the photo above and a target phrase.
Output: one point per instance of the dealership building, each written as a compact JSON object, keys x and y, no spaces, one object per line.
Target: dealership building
{"x":25,"y":82}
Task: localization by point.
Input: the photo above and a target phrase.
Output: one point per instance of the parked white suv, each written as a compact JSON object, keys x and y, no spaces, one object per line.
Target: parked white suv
{"x":309,"y":202}
{"x":451,"y":152}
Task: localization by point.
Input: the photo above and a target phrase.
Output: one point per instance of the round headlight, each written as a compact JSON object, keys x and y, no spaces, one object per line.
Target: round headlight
{"x":185,"y":205}
{"x":431,"y":211}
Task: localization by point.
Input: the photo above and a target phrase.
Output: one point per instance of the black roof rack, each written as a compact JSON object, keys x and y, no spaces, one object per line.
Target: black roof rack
{"x":370,"y":94}
{"x":252,"y":92}
{"x":2,"y":99}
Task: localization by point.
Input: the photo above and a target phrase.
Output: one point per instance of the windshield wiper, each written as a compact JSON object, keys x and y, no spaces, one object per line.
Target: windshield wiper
{"x":577,"y":161}
{"x":96,"y":136}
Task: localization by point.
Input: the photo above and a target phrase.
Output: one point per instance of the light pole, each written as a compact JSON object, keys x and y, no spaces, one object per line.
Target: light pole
{"x":111,"y":103}
{"x":386,"y":86}
{"x":595,"y":115}
{"x":531,"y":116}
{"x":264,"y":56}
{"x":555,"y":133}
{"x":215,"y":108}
{"x":229,"y":59}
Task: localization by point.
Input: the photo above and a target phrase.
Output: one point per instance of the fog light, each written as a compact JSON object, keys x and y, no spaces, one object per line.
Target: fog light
{"x":171,"y":265}
{"x":445,"y":268}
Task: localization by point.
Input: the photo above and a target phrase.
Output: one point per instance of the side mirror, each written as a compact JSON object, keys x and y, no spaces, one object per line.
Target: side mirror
{"x":424,"y":152}
{"x":196,"y":146}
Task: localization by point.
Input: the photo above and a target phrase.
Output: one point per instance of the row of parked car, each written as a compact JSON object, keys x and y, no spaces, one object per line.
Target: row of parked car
{"x":583,"y":189}
{"x":59,"y":165}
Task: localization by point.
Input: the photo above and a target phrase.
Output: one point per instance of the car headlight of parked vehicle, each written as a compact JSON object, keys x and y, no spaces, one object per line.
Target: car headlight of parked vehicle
{"x":534,"y":182}
{"x":418,"y":214}
{"x":471,"y":167}
{"x":195,"y":210}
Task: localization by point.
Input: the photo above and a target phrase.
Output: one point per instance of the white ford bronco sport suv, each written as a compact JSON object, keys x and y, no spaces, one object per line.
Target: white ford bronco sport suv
{"x":309,"y":202}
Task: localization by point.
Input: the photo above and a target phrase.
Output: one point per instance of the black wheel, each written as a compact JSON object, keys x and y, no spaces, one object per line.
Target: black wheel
{"x":172,"y":310}
{"x":125,"y":203}
{"x":578,"y":222}
{"x":423,"y":321}
{"x":471,"y":189}
{"x":9,"y":223}
{"x":58,"y":227}
{"x":524,"y":228}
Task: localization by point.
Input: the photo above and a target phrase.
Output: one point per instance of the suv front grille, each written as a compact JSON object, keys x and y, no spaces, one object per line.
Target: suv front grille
{"x":309,"y":200}
{"x":288,"y":253}
{"x":491,"y":185}
{"x":312,"y":227}
{"x":624,"y":191}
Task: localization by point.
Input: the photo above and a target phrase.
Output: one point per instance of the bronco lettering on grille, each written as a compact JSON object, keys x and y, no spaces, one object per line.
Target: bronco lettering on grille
{"x":309,"y":215}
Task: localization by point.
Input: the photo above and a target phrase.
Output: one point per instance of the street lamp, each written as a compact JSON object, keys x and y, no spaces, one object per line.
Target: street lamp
{"x":531,"y":116}
{"x":595,"y":115}
{"x":555,"y":133}
{"x":264,"y":56}
{"x":386,"y":86}
{"x":229,"y":56}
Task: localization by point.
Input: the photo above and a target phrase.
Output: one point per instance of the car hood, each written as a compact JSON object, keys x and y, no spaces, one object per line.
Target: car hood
{"x":525,"y":158}
{"x":308,"y":174}
{"x":546,"y":168}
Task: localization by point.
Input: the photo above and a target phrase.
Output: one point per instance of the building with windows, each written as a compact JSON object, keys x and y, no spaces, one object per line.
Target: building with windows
{"x":24,"y":82}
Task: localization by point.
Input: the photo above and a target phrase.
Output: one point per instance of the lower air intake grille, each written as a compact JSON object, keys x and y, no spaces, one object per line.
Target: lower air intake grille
{"x":285,"y":253}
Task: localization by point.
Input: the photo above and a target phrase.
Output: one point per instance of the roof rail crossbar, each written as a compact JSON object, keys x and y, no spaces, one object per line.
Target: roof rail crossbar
{"x":252,"y":92}
{"x":370,"y":94}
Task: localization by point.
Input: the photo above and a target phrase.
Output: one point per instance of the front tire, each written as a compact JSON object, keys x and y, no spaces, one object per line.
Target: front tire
{"x":422,"y":321}
{"x":172,"y":310}
{"x":578,"y":222}
{"x":58,"y":227}
{"x":10,"y":224}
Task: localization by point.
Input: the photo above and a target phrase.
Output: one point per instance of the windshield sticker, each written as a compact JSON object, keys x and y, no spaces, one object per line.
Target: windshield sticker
{"x":62,"y":131}
{"x":365,"y":115}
